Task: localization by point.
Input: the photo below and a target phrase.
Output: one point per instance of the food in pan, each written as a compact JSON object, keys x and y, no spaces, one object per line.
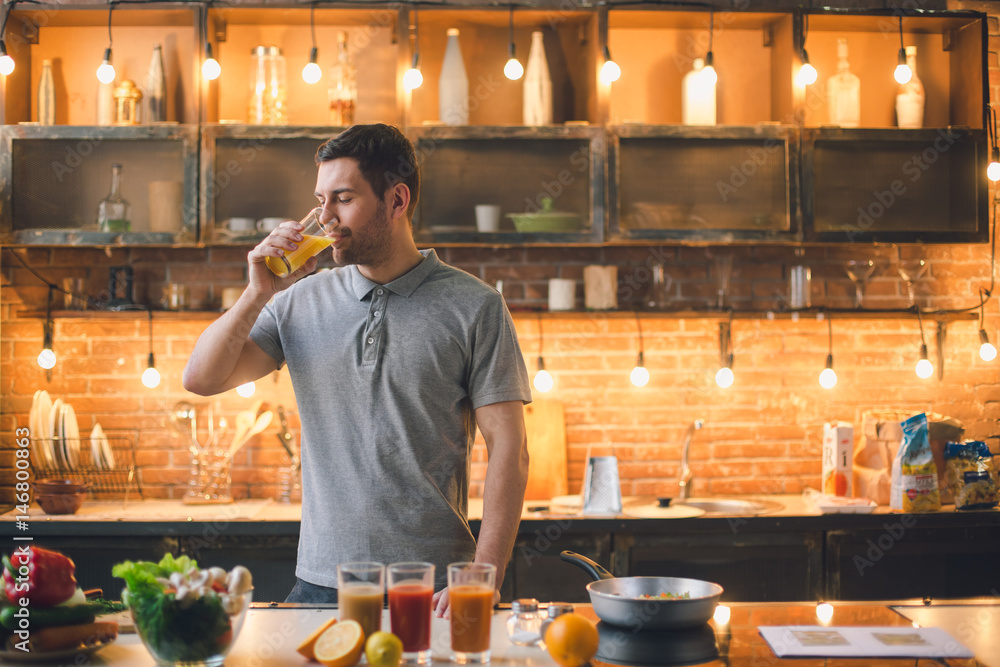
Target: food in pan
{"x":686,"y":595}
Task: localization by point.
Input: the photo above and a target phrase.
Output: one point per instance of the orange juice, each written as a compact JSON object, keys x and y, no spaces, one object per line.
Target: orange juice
{"x":363,"y":603}
{"x":471,"y":611}
{"x":293,"y":261}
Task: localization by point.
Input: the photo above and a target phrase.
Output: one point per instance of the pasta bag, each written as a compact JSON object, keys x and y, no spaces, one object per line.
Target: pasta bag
{"x":918,"y":472}
{"x":971,"y":474}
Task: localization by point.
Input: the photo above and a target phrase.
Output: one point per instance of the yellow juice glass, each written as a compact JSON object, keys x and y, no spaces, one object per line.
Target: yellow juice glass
{"x":313,"y":242}
{"x":361,"y":594}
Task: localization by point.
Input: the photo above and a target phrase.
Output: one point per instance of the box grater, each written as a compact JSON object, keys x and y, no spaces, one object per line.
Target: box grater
{"x":602,"y":491}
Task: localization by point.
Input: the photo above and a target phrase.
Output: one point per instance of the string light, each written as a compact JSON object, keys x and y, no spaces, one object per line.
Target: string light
{"x":807,"y":73}
{"x":151,"y":376}
{"x":903,"y":73}
{"x":47,"y":358}
{"x":828,"y":377}
{"x":247,"y":389}
{"x":413,"y":79}
{"x":987,"y":352}
{"x":513,"y":70}
{"x":708,"y":72}
{"x":210,"y":68}
{"x":106,"y":71}
{"x":6,"y":62}
{"x":993,"y":170}
{"x":639,"y":375}
{"x":543,"y":381}
{"x":824,"y":612}
{"x":610,"y":71}
{"x":924,"y":368}
{"x":724,"y":377}
{"x":312,"y":73}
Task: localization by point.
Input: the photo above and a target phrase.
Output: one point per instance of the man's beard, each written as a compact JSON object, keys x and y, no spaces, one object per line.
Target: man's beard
{"x":372,"y":246}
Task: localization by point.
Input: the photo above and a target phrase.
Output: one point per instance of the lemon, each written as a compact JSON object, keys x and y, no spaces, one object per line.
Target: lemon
{"x":306,"y":647}
{"x":340,"y":644}
{"x":571,"y":640}
{"x":383,"y":649}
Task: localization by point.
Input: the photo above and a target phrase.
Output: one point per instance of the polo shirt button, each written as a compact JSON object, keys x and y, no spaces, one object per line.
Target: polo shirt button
{"x":375,"y":314}
{"x":371,"y":341}
{"x":381,"y":292}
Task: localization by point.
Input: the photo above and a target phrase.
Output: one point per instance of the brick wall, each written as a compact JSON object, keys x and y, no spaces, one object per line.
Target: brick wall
{"x":761,"y":435}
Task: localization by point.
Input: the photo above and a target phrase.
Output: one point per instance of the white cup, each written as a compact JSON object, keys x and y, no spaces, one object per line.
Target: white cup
{"x":241,"y":224}
{"x":487,"y":217}
{"x":268,"y":225}
{"x":562,"y":294}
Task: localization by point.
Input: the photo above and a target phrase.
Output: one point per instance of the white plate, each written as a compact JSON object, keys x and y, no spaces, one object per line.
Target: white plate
{"x":657,"y":512}
{"x":34,"y":430}
{"x":44,"y":409}
{"x":71,"y":436}
{"x":106,"y":453}
{"x":95,"y":444}
{"x":64,"y":657}
{"x":54,"y":445}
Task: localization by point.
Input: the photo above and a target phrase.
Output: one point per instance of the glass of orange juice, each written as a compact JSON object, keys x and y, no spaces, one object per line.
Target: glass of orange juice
{"x":314,"y":240}
{"x":411,"y":593}
{"x":470,"y":594}
{"x":360,"y":594}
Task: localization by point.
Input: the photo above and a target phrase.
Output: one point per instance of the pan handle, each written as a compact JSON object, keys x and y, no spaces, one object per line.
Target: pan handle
{"x":596,"y":572}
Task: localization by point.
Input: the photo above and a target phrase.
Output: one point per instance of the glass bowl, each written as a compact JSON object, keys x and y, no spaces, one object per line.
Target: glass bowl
{"x":200,"y":633}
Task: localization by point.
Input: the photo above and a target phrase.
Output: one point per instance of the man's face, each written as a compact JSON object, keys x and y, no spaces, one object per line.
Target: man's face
{"x":355,"y":218}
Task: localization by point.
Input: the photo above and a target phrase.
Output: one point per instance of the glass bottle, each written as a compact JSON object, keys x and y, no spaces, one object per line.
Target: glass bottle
{"x":799,"y":282}
{"x":112,"y":212}
{"x":268,"y":87}
{"x":524,"y":623}
{"x":910,"y":96}
{"x":343,"y":89}
{"x":537,"y":108}
{"x":453,"y":88}
{"x":156,"y":89}
{"x":698,"y":95}
{"x":843,"y":91}
{"x":46,"y":96}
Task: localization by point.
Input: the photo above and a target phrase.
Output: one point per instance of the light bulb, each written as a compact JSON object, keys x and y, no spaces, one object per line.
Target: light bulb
{"x":925,"y":368}
{"x":412,"y":79}
{"x":828,"y":378}
{"x":513,"y":69}
{"x":151,"y":377}
{"x":724,"y":377}
{"x":987,"y":352}
{"x":6,"y":62}
{"x":993,"y":171}
{"x":721,"y":615}
{"x":312,"y":73}
{"x":246,"y":390}
{"x":106,"y":72}
{"x":47,"y":359}
{"x":806,"y":76}
{"x":543,"y":381}
{"x":824,"y":612}
{"x":639,"y":376}
{"x":610,"y":72}
{"x":211,"y":69}
{"x":903,"y":72}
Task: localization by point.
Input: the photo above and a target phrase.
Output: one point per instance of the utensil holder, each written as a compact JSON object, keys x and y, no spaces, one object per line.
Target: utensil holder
{"x":211,"y":478}
{"x":602,"y":491}
{"x":289,"y":484}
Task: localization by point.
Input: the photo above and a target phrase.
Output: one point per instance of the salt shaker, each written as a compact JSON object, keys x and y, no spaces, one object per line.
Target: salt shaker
{"x":556,"y":609}
{"x":524,"y":623}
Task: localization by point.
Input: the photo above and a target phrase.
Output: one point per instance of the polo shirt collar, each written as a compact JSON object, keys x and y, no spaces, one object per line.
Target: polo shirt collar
{"x":405,"y":285}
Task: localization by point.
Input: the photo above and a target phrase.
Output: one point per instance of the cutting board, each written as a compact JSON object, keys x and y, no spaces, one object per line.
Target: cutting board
{"x":545,"y":424}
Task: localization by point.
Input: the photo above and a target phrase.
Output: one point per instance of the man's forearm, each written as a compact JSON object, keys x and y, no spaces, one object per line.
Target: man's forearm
{"x":503,"y":498}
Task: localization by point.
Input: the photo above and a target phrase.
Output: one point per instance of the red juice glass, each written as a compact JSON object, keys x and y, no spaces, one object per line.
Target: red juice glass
{"x":411,"y":590}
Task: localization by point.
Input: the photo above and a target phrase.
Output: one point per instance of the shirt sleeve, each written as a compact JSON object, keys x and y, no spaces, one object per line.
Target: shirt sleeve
{"x":497,"y":371}
{"x":267,"y":334}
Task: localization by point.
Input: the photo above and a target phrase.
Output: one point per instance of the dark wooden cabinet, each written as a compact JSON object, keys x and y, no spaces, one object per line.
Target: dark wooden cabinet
{"x":536,"y":571}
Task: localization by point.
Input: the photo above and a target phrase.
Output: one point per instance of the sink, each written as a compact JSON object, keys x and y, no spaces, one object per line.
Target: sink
{"x":732,"y":506}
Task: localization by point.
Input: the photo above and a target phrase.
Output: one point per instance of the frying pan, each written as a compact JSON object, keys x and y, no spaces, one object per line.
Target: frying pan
{"x":618,"y":601}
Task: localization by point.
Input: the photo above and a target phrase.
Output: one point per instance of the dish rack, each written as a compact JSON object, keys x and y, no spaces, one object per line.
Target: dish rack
{"x":116,"y":481}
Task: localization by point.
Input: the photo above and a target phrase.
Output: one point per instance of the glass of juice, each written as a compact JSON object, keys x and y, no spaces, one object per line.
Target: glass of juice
{"x":360,"y":594}
{"x":470,"y":594}
{"x":411,"y":590}
{"x":314,"y":240}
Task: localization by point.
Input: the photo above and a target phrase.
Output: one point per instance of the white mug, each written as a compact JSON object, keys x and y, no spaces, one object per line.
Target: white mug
{"x":487,"y":218}
{"x":267,"y":225}
{"x":240,"y":224}
{"x":562,"y":294}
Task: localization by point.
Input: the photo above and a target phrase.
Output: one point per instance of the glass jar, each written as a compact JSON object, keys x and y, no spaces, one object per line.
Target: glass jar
{"x":268,"y":87}
{"x":556,"y":609}
{"x":524,"y":624}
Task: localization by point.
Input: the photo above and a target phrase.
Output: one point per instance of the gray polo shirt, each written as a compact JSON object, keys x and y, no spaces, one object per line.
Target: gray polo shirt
{"x":387,"y":378}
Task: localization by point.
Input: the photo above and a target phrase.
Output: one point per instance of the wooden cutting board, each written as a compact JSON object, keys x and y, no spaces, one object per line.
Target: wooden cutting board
{"x":545,"y":425}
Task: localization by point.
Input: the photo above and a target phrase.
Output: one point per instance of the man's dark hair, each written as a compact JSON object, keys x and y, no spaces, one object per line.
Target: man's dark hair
{"x":384,"y":155}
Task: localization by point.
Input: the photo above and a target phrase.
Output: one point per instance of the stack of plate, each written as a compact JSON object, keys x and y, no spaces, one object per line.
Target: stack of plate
{"x":55,"y":436}
{"x":100,"y":449}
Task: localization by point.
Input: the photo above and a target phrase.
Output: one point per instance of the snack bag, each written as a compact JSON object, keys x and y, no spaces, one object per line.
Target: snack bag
{"x":918,"y":480}
{"x":971,"y":474}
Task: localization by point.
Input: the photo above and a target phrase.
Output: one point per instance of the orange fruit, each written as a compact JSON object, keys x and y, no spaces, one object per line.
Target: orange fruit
{"x":571,"y":640}
{"x":340,"y":645}
{"x":306,"y":647}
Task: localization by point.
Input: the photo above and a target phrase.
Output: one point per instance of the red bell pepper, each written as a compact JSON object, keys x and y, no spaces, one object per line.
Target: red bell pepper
{"x":44,"y":577}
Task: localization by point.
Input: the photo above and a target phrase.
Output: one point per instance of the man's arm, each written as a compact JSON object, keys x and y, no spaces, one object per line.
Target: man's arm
{"x":502,"y":425}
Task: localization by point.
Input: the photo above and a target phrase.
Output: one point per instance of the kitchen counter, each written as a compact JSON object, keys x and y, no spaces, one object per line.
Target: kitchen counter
{"x":270,"y":635}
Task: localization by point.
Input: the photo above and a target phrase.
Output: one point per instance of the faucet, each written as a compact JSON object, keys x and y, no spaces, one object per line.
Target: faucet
{"x":686,"y":477}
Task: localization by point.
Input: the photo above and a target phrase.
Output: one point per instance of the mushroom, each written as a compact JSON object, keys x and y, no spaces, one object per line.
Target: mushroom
{"x":239,"y":580}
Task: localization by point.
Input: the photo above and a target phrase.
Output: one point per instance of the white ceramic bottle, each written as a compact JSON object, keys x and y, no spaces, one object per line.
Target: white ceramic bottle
{"x":106,"y":103}
{"x":46,"y":96}
{"x":155,"y":96}
{"x":343,"y":88}
{"x":910,"y":96}
{"x":537,"y":109}
{"x":843,"y":91}
{"x":453,"y":86}
{"x":698,"y":95}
